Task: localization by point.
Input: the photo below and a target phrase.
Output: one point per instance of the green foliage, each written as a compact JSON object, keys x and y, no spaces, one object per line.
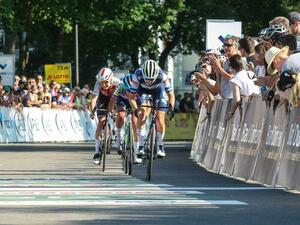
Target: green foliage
{"x":116,"y":30}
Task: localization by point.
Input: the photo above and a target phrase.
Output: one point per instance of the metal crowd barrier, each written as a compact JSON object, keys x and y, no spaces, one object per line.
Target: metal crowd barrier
{"x":257,"y":144}
{"x":36,"y":125}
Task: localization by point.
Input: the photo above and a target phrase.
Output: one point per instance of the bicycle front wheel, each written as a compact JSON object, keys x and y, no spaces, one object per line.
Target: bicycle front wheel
{"x":150,"y":153}
{"x":106,"y":144}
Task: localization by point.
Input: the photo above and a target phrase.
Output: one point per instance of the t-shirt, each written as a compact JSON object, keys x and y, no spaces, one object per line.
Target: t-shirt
{"x":292,"y":63}
{"x":260,"y":71}
{"x":246,"y":85}
{"x":226,"y":88}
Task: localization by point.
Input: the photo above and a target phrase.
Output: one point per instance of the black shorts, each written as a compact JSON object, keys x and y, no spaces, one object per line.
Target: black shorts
{"x":102,"y":103}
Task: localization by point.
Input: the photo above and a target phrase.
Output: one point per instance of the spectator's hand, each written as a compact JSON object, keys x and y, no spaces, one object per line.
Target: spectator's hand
{"x":200,"y":76}
{"x":251,"y":66}
{"x":216,"y":64}
{"x":271,"y":95}
{"x":229,"y":115}
{"x":92,"y":115}
{"x":260,"y":81}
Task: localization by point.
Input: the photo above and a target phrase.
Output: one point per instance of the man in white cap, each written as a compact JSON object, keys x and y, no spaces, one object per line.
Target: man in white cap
{"x":278,"y":60}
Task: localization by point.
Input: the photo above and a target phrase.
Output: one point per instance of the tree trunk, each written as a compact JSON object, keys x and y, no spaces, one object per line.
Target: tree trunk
{"x":10,"y":43}
{"x":23,"y":57}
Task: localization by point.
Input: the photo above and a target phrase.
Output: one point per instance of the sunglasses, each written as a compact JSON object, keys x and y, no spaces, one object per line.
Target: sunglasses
{"x":227,"y":45}
{"x":149,"y":81}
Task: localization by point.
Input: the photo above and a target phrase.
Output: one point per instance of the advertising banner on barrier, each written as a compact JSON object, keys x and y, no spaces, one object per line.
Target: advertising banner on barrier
{"x":252,"y":127}
{"x":231,"y":142}
{"x":19,"y":124}
{"x":221,"y":135}
{"x":289,"y":172}
{"x":7,"y":124}
{"x":182,"y":127}
{"x":202,"y":140}
{"x":77,"y":125}
{"x":64,"y":125}
{"x":196,"y":136}
{"x":49,"y":125}
{"x":270,"y":146}
{"x":34,"y":125}
{"x":210,"y":153}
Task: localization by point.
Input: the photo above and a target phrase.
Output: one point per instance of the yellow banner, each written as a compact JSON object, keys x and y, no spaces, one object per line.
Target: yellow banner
{"x":60,"y":73}
{"x":182,"y":127}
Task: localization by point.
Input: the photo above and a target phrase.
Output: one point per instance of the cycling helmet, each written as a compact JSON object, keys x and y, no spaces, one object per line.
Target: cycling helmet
{"x":286,"y":80}
{"x":150,"y":70}
{"x":275,"y":31}
{"x":104,"y":74}
{"x":127,"y":81}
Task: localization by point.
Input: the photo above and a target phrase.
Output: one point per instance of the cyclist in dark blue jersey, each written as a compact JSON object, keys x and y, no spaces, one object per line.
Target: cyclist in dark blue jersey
{"x":150,"y":79}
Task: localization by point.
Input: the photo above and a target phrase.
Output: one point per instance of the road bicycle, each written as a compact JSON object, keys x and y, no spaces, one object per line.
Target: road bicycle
{"x":127,"y":145}
{"x":107,"y":139}
{"x":150,"y":143}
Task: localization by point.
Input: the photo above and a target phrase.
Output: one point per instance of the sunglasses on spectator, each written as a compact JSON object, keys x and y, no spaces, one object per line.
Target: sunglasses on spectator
{"x":206,"y":61}
{"x":227,"y":45}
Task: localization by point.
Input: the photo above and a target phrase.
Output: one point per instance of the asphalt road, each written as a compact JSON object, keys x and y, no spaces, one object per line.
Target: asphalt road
{"x":58,"y":184}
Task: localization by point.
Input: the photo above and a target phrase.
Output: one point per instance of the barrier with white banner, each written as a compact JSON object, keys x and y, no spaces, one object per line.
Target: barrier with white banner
{"x":257,"y":144}
{"x":36,"y":125}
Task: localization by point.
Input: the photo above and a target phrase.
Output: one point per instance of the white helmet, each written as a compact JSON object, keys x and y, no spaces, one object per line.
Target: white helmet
{"x":104,"y":74}
{"x":150,"y":70}
{"x":275,"y":31}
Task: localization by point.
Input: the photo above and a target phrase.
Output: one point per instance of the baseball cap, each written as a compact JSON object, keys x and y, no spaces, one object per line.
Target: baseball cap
{"x":294,"y":16}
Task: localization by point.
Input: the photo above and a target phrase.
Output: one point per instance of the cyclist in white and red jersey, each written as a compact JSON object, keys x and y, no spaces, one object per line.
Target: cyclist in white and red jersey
{"x":120,"y":99}
{"x":103,"y":90}
{"x":150,"y":79}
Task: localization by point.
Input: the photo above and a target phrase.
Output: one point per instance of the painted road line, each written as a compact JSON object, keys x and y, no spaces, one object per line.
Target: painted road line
{"x":122,"y":188}
{"x":124,"y":203}
{"x":84,"y":192}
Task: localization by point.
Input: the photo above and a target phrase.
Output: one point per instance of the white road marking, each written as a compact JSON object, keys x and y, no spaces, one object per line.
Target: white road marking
{"x":123,"y":203}
{"x":134,"y":188}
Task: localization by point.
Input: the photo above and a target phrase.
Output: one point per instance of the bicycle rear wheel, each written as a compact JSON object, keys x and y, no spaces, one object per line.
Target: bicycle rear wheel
{"x":150,"y":153}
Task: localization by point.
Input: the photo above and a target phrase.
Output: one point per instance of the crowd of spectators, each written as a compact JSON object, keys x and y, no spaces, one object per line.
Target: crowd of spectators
{"x":268,"y":65}
{"x":34,"y":92}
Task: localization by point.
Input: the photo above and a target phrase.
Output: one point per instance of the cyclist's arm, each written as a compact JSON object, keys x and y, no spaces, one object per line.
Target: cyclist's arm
{"x":171,"y":97}
{"x":132,"y":101}
{"x":112,"y":103}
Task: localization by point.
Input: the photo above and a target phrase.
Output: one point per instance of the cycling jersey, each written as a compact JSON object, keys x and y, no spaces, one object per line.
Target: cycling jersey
{"x":109,"y":92}
{"x":120,"y":91}
{"x":138,"y":81}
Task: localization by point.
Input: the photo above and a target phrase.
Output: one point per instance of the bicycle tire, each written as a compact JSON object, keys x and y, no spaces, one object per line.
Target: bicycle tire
{"x":106,"y":142}
{"x":150,"y":153}
{"x":131,"y":150}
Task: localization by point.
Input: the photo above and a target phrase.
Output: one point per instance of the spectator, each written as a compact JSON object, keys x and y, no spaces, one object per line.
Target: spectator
{"x":39,"y":79}
{"x":288,"y":40}
{"x":278,"y":60}
{"x":294,"y":18}
{"x":177,"y":103}
{"x":183,"y":105}
{"x":289,"y":87}
{"x":242,"y":84}
{"x":46,"y":101}
{"x":246,"y":47}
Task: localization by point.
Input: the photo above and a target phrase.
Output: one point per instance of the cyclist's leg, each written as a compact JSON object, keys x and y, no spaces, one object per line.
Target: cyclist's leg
{"x":141,"y":122}
{"x":101,"y":104}
{"x":160,"y":97}
{"x":121,"y":106}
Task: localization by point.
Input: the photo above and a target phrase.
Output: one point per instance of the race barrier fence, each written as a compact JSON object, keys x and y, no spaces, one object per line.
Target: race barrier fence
{"x":256,"y":144}
{"x":36,"y":125}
